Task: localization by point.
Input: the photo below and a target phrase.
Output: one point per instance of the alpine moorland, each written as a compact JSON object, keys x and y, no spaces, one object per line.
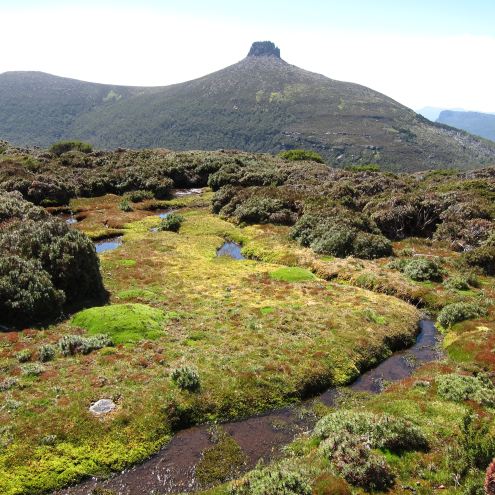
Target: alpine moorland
{"x":146,"y":292}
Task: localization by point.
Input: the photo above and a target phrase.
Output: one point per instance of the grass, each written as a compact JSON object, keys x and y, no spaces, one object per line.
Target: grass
{"x":124,"y":323}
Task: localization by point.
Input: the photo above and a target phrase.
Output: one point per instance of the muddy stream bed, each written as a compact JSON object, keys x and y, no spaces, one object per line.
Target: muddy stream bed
{"x":172,"y":469}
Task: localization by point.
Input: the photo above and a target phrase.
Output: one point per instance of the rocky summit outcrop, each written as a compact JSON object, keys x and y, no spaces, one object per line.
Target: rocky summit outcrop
{"x":261,"y":104}
{"x":264,"y":49}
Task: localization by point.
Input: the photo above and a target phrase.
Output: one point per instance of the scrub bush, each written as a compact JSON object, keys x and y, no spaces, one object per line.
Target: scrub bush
{"x":422,"y":270}
{"x":76,"y":344}
{"x":382,"y":431}
{"x":186,"y":378}
{"x":27,"y":294}
{"x":456,"y":312}
{"x":356,"y":463}
{"x":271,"y":480}
{"x":299,"y":155}
{"x":371,"y":246}
{"x":171,"y":223}
{"x":23,"y":356}
{"x":46,"y":353}
{"x":65,"y":146}
{"x":459,"y":388}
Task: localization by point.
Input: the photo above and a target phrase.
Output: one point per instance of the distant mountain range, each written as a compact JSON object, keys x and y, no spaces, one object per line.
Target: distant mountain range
{"x":261,"y":103}
{"x":481,"y":124}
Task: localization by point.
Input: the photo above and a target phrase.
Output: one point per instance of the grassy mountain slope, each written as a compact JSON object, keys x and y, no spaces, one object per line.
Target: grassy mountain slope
{"x":37,"y":108}
{"x":261,"y":103}
{"x":481,"y":124}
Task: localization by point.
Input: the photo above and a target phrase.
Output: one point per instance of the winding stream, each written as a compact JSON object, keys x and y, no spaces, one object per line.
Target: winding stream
{"x":171,"y":470}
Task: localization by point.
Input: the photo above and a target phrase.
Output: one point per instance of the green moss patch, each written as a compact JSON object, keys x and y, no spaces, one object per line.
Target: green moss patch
{"x":292,"y":274}
{"x":123,"y":322}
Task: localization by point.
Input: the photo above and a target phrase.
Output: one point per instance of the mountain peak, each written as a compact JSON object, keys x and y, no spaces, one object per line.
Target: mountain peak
{"x":264,"y":49}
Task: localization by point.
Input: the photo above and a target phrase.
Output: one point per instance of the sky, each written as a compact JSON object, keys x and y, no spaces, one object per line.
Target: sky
{"x":421,"y":53}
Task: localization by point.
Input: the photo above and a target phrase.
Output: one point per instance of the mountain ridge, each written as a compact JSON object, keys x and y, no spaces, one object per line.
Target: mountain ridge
{"x":261,"y":103}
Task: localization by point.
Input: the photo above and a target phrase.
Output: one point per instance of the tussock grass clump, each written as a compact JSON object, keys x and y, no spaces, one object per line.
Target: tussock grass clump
{"x":272,"y":480}
{"x":457,"y":312}
{"x":459,"y":388}
{"x":122,"y":322}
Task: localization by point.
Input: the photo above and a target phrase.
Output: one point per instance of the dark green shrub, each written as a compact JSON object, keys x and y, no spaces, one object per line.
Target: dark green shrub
{"x":456,"y":312}
{"x":46,"y":353}
{"x":76,"y":344}
{"x":67,"y":256}
{"x":299,"y":155}
{"x":371,"y":246}
{"x":138,"y":196}
{"x":186,"y":378}
{"x":482,"y":258}
{"x":272,"y":480}
{"x":27,"y":293}
{"x":336,"y":241}
{"x":264,"y":210}
{"x":65,"y":146}
{"x":171,"y":223}
{"x":422,"y":270}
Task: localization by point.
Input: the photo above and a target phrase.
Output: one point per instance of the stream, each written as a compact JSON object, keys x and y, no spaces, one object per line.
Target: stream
{"x":172,"y":469}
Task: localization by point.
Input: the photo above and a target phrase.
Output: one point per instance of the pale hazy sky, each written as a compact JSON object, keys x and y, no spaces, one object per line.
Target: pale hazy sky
{"x":420,"y":52}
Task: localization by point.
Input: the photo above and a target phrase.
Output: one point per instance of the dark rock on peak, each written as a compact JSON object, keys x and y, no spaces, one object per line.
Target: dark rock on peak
{"x":264,"y":49}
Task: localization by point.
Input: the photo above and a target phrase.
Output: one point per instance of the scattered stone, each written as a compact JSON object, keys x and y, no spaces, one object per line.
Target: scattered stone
{"x":103,"y":406}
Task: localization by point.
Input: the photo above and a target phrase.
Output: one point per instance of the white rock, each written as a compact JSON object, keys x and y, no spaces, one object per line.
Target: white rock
{"x":103,"y":406}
